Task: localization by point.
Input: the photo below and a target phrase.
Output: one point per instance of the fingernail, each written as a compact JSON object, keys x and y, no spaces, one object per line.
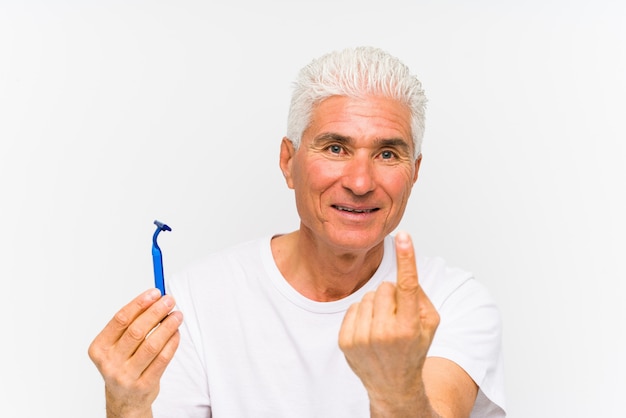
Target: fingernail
{"x":168,"y":301}
{"x":402,"y":238}
{"x":154,"y":294}
{"x":178,"y":316}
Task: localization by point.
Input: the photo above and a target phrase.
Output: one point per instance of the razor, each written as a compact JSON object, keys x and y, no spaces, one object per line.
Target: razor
{"x":157,"y":257}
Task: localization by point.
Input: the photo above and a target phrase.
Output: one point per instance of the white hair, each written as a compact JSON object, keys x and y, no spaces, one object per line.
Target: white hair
{"x":358,"y":73}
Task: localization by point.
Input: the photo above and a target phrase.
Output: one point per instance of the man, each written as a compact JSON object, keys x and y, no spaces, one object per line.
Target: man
{"x":330,"y":320}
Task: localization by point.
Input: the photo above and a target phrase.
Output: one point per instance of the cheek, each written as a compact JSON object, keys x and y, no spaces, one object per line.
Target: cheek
{"x":315,"y":177}
{"x":310,"y":183}
{"x":400,"y":186}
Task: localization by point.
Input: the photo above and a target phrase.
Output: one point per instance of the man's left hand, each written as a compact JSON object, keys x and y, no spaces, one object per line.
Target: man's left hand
{"x":386,"y":336}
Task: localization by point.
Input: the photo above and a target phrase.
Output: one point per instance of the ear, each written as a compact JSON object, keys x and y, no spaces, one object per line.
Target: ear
{"x":287,"y":154}
{"x":418,"y":162}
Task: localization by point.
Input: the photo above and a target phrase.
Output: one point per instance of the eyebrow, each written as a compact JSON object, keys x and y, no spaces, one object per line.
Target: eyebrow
{"x":395,"y":143}
{"x":329,"y":136}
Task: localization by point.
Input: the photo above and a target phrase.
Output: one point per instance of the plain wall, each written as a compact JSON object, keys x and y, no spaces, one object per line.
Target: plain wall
{"x":115,"y":113}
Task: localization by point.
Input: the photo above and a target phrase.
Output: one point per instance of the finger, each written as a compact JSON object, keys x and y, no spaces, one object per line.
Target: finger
{"x":363,"y":320}
{"x":137,"y":331}
{"x":428,"y":313}
{"x":346,"y":332}
{"x":384,"y":308}
{"x":407,"y":286}
{"x":122,"y":319}
{"x":156,"y":369}
{"x":155,"y":351}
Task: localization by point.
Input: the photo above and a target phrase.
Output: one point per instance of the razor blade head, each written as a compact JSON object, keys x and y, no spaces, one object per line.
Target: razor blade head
{"x":162,"y":226}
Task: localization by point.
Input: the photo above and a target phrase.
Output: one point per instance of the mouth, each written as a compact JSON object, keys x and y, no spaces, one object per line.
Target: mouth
{"x":354,"y":210}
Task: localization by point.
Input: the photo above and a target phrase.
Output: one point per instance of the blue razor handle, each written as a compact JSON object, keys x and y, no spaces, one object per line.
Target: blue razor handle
{"x":157,"y":257}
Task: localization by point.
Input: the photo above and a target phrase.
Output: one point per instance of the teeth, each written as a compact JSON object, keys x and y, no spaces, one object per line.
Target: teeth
{"x":355,"y":210}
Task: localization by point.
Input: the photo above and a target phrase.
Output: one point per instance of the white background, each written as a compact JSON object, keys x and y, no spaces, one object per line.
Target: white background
{"x":116,"y":113}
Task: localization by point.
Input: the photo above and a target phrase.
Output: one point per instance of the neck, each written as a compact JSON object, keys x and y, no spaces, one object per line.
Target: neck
{"x":321,"y":273}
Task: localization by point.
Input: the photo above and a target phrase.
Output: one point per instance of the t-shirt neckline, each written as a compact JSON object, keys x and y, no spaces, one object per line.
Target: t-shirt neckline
{"x":279,"y":282}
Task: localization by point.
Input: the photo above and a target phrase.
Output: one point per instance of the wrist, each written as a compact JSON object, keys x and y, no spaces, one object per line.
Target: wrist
{"x":413,"y":404}
{"x":126,"y":408}
{"x":113,"y":412}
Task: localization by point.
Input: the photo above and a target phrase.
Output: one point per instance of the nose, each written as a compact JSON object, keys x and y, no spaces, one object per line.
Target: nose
{"x":359,"y":175}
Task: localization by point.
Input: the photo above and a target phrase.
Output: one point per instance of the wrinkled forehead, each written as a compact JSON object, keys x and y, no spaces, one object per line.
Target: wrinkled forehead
{"x":374,"y":117}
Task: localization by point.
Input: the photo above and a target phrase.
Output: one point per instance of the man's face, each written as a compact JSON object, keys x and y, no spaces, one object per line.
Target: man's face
{"x":353,"y":172}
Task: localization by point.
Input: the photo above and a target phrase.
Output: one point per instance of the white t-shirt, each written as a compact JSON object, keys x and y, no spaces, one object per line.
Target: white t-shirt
{"x":252,"y":346}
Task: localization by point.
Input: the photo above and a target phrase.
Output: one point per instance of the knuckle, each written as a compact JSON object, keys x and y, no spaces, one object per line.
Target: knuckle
{"x":175,"y":340}
{"x":404,"y":254}
{"x":110,"y":375}
{"x":151,"y":347}
{"x":409,"y":281}
{"x":435,"y":320}
{"x":362,"y":339}
{"x":162,"y":359}
{"x":114,"y":372}
{"x":169,"y":325}
{"x":94,"y":352}
{"x":143,"y":387}
{"x":353,"y":308}
{"x":344,"y":343}
{"x":380,"y":338}
{"x":166,"y":353}
{"x":160,"y":310}
{"x":406,"y":262}
{"x":386,"y":287}
{"x":135,"y":332}
{"x":121,"y":319}
{"x":347,"y":349}
{"x":368,"y":297}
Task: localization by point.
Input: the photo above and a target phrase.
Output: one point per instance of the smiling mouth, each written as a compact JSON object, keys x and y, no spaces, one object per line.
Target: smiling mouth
{"x":352,"y":210}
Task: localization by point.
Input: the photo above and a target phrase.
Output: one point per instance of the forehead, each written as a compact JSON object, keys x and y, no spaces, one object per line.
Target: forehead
{"x":371,"y":117}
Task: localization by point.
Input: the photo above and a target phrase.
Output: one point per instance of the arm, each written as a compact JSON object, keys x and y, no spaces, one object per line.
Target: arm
{"x":132,"y":352}
{"x":451,"y":391}
{"x":386,"y":338}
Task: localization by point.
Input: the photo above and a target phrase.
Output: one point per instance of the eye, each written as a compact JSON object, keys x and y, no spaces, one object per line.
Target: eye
{"x":335,"y":149}
{"x":387,"y":155}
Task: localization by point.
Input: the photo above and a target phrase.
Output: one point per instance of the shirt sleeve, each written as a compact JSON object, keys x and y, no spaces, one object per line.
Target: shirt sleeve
{"x":470,"y":334}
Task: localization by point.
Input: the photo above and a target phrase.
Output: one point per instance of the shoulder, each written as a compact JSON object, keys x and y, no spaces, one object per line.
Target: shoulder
{"x":457,"y":294}
{"x":439,"y":279}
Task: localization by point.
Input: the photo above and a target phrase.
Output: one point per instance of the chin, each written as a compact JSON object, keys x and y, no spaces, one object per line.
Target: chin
{"x":356,"y":240}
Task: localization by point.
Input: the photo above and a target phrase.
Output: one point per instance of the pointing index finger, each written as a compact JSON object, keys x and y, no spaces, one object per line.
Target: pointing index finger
{"x":407,"y":285}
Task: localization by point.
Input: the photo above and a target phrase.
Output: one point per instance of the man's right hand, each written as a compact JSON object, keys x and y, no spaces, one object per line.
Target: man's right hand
{"x":131,"y":354}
